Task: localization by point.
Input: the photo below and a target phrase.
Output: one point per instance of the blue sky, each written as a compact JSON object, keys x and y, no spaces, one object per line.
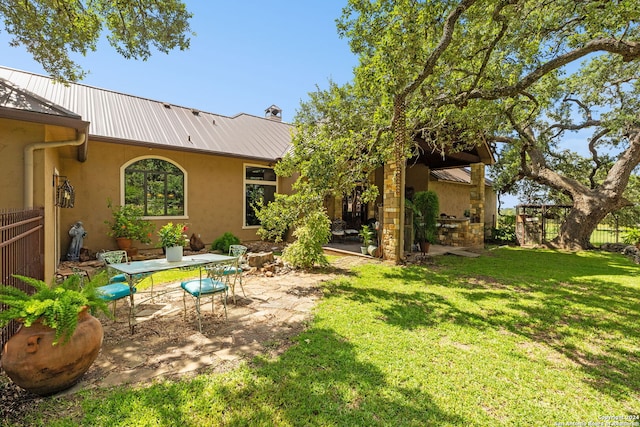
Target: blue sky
{"x":245,"y":56}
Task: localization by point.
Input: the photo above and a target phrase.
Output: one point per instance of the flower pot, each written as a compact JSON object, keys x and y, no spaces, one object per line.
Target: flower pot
{"x":174,"y":253}
{"x":372,"y":250}
{"x":32,"y":362}
{"x":363,"y":249}
{"x":424,"y":247}
{"x":124,"y":243}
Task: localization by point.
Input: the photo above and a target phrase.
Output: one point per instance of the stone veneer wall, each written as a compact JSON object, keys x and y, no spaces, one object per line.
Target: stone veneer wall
{"x":477,"y":193}
{"x":392,"y":223}
{"x":460,"y":232}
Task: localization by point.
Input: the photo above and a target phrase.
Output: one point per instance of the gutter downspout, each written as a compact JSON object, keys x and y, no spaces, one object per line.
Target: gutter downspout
{"x":28,"y":162}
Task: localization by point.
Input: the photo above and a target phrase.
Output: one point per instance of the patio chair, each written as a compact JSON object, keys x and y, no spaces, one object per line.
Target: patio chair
{"x":337,"y":229}
{"x":117,"y":257}
{"x":118,"y":285}
{"x":237,"y":251}
{"x":206,"y":286}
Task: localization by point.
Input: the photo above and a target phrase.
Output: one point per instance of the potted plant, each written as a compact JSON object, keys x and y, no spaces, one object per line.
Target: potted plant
{"x":367,"y":239}
{"x":632,"y":237}
{"x":426,"y":206}
{"x":128,"y":224}
{"x":58,"y":338}
{"x":172,"y":239}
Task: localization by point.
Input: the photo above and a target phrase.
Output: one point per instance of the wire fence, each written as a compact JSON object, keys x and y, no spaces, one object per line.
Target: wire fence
{"x":607,"y":234}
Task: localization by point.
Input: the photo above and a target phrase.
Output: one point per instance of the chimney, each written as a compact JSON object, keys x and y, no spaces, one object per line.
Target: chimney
{"x":273,"y":113}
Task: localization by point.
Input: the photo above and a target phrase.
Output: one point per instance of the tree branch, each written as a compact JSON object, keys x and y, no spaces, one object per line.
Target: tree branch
{"x":629,"y":50}
{"x":594,"y":155}
{"x":441,"y":47}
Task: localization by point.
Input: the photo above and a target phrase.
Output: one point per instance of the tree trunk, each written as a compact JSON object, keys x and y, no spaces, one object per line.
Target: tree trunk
{"x":583,"y":218}
{"x":590,"y":206}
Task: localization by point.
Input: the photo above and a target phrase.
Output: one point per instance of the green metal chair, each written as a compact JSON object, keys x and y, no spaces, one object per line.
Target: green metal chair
{"x":235,"y":271}
{"x":206,"y":286}
{"x":118,"y":286}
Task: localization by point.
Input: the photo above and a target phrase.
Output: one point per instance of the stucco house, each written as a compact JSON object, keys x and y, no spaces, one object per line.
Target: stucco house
{"x":204,"y":169}
{"x":78,"y":145}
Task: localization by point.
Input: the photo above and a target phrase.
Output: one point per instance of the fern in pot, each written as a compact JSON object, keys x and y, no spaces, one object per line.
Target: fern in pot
{"x":58,"y":339}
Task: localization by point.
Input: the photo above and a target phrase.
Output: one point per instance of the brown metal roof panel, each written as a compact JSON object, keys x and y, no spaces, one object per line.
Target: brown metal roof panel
{"x":119,"y":116}
{"x":12,"y":96}
{"x":460,"y":175}
{"x":264,"y":136}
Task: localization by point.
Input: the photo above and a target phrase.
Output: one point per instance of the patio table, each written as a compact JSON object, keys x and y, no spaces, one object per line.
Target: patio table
{"x":136,"y":271}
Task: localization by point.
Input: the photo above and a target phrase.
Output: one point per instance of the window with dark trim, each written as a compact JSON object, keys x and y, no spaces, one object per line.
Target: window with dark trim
{"x":260,"y":183}
{"x":157,"y":185}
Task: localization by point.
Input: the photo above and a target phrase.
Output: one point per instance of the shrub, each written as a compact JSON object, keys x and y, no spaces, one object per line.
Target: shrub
{"x":632,"y":236}
{"x":311,"y":234}
{"x":427,"y":206}
{"x":505,"y":232}
{"x":276,"y":217}
{"x":223,"y":242}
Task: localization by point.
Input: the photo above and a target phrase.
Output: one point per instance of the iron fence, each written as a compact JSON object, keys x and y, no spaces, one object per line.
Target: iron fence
{"x":21,"y":252}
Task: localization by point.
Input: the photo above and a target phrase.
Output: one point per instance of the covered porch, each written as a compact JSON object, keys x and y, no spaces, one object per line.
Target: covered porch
{"x":457,"y":175}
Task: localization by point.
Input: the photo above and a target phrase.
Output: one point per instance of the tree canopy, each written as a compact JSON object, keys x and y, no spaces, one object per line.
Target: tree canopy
{"x":52,"y":30}
{"x":493,"y":71}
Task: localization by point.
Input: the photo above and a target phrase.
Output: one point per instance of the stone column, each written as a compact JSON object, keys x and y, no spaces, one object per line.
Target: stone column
{"x":394,"y":181}
{"x":477,"y":192}
{"x":476,"y":228}
{"x":393,"y":199}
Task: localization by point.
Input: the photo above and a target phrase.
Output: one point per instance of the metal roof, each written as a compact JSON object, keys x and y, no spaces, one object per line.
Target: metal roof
{"x":457,"y":175}
{"x":15,"y":98}
{"x":118,"y":117}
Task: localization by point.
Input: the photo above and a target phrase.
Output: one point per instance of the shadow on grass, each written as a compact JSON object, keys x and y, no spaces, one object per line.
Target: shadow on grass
{"x":564,"y":304}
{"x":320,"y":381}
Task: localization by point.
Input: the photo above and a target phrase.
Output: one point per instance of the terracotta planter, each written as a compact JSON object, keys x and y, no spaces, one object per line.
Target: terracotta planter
{"x":124,"y":243}
{"x":424,"y":247}
{"x":174,"y":253}
{"x":33,"y":363}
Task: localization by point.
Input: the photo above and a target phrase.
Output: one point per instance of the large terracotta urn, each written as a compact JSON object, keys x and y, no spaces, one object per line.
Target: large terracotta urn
{"x":32,"y":362}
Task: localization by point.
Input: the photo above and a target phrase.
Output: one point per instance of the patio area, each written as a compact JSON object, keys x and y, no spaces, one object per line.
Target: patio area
{"x":165,"y":345}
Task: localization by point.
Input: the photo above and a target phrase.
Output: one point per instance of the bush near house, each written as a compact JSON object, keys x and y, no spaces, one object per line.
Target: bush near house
{"x":223,"y":242}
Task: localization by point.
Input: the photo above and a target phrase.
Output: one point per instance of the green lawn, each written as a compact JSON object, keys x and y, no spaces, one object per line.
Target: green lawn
{"x":516,"y":337}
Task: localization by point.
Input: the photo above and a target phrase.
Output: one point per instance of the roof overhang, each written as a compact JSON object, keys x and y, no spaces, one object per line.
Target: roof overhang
{"x":448,"y":149}
{"x":452,"y":156}
{"x":47,"y":119}
{"x":19,"y":104}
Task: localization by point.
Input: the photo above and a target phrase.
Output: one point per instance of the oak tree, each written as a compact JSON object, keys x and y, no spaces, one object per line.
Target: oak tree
{"x":486,"y":70}
{"x":52,"y":31}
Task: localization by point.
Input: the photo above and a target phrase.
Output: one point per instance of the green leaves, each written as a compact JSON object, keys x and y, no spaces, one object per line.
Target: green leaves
{"x":50,"y":31}
{"x":57,"y":306}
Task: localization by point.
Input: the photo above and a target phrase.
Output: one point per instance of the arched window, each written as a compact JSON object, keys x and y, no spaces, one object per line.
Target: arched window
{"x":157,"y":185}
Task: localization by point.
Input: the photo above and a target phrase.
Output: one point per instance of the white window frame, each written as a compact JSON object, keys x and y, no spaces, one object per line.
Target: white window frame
{"x":246,"y":181}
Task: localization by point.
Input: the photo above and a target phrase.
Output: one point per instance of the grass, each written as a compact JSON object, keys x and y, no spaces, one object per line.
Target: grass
{"x":515,"y":337}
